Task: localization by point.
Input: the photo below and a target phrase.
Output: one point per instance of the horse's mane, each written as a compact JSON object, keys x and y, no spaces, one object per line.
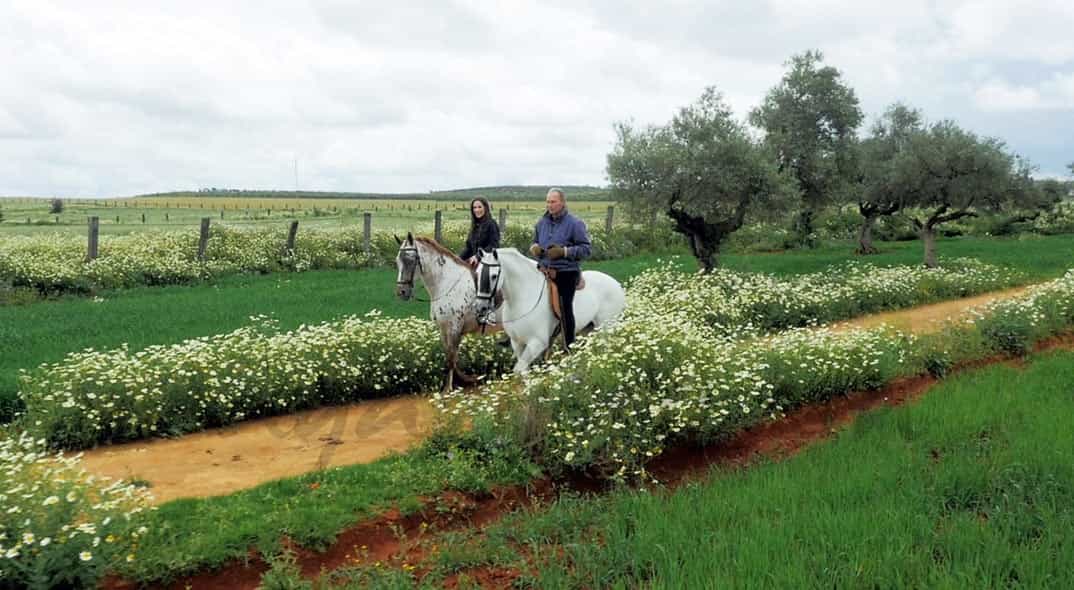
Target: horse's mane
{"x":440,"y":249}
{"x":515,"y":252}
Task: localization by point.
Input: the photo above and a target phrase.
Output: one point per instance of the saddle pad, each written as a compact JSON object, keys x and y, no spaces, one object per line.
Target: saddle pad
{"x":553,"y":295}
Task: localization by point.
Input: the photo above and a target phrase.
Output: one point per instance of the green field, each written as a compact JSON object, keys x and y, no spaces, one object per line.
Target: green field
{"x":185,"y":211}
{"x":46,"y":331}
{"x":971,"y":487}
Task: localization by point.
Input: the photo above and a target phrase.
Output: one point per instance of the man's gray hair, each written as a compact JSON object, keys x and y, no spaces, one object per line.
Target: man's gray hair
{"x":556,"y":189}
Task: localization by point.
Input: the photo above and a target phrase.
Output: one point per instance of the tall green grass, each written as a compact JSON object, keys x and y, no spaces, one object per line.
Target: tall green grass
{"x":970,"y":487}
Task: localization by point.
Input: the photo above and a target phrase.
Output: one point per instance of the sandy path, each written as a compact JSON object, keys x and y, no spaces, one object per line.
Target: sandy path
{"x":924,"y":319}
{"x":226,"y":460}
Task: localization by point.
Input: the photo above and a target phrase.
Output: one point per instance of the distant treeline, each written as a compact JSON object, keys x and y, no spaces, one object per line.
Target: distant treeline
{"x":497,"y":193}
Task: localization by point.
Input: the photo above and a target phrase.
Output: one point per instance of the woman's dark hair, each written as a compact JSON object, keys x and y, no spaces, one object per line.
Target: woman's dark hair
{"x":488,"y":211}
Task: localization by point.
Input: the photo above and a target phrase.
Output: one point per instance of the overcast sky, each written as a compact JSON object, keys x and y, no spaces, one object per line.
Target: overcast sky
{"x":120,"y":98}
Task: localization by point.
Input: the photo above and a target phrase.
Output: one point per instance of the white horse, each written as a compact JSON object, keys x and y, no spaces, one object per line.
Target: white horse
{"x":526,"y":314}
{"x":452,"y":291}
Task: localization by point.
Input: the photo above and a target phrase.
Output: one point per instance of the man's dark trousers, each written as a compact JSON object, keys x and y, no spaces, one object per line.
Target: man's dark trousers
{"x":567,"y":282}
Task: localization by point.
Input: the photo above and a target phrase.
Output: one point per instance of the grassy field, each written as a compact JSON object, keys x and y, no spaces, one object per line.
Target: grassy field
{"x":971,"y":487}
{"x":503,"y":192}
{"x":45,"y":332}
{"x":176,"y":212}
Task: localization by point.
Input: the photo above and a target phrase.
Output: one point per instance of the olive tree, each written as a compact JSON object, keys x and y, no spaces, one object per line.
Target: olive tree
{"x":810,"y":119}
{"x":878,"y":192}
{"x":949,"y":173}
{"x":702,"y":169}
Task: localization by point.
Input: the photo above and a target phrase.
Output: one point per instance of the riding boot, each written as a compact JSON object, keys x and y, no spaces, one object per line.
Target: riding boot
{"x":563,"y":326}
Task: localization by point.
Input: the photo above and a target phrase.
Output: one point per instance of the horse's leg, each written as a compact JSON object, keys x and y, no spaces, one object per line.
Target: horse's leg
{"x":456,"y":342}
{"x":532,"y":350}
{"x":450,"y":356}
{"x":517,"y":346}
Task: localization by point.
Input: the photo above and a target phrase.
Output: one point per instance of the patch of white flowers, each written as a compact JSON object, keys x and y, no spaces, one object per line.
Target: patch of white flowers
{"x":653,"y":379}
{"x":116,"y":395}
{"x":57,"y":262}
{"x":734,"y":305}
{"x":1014,"y":324}
{"x":59,"y":525}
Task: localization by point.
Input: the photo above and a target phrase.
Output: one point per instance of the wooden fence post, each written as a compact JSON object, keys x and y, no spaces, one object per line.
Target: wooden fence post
{"x":608,"y":220}
{"x":291,"y":233}
{"x":503,"y":219}
{"x":203,"y":240}
{"x":143,"y":217}
{"x":438,"y":231}
{"x":94,"y":234}
{"x":367,"y":230}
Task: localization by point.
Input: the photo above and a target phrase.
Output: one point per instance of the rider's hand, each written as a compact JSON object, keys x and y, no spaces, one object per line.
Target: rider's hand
{"x":557,"y":252}
{"x":473,"y":261}
{"x":536,"y":250}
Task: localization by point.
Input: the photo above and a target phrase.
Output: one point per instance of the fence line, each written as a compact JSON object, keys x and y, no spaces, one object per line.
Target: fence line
{"x":93,"y":244}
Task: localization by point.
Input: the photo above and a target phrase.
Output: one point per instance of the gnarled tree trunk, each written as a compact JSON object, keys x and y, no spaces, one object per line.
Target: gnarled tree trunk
{"x":707,"y":253}
{"x":705,"y":236}
{"x":928,"y":236}
{"x":803,"y":228}
{"x":927,"y":230}
{"x":865,"y":236}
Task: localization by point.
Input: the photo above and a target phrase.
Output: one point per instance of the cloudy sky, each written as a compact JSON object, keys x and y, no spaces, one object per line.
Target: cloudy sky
{"x":121,"y":98}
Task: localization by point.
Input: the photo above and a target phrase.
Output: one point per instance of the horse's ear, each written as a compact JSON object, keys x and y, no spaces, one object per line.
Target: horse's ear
{"x":400,"y":242}
{"x":409,"y":237}
{"x":480,"y":253}
{"x":495,"y":254}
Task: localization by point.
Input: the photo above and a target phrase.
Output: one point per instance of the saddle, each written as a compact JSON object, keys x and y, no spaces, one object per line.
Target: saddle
{"x":553,"y":290}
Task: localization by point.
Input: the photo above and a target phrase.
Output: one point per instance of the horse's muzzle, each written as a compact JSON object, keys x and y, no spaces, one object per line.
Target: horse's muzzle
{"x":483,"y":307}
{"x":404,"y":292}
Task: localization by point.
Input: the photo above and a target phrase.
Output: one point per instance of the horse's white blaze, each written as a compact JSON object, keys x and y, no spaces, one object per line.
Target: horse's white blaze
{"x":526,"y":312}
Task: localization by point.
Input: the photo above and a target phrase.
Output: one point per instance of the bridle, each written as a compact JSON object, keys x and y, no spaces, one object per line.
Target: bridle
{"x":413,"y":268}
{"x":493,"y":288}
{"x":409,"y":282}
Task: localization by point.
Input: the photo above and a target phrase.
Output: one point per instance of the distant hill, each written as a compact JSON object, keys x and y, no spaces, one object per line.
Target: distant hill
{"x":494,"y":193}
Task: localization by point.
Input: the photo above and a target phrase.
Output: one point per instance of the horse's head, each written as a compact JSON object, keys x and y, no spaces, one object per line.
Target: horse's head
{"x":489,"y":282}
{"x":408,"y":261}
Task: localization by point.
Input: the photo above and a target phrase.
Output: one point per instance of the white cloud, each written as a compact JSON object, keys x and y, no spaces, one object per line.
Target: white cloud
{"x":1055,"y":93}
{"x":127,"y":97}
{"x":998,"y":96}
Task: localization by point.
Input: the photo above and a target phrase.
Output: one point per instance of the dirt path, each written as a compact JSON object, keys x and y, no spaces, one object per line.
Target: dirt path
{"x":926,"y":318}
{"x":226,"y":460}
